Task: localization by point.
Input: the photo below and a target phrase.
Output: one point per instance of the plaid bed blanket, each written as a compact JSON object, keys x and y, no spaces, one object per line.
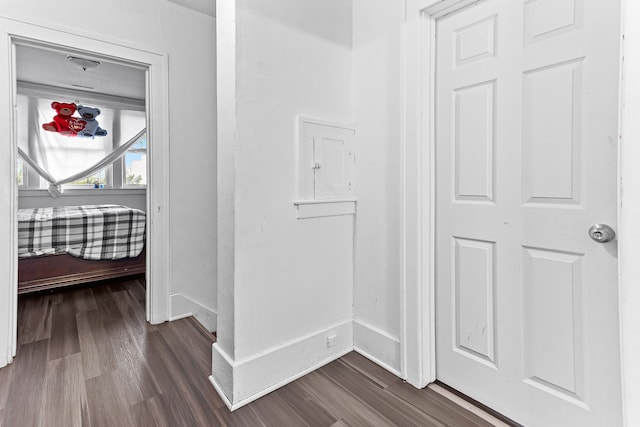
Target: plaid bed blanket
{"x":91,"y":232}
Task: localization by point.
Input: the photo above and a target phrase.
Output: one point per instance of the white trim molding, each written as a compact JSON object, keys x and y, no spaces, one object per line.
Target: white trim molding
{"x":8,"y":195}
{"x":628,"y":224}
{"x":158,"y":191}
{"x":183,"y":306}
{"x":306,"y":209}
{"x":240,"y":382}
{"x":377,"y":346}
{"x":418,"y":282}
{"x":418,"y":304}
{"x":158,"y":255}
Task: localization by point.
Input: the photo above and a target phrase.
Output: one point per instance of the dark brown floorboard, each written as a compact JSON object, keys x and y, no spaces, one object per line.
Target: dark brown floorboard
{"x":64,"y":388}
{"x":340,"y":402}
{"x":6,"y":376}
{"x":34,"y":318}
{"x":64,"y":332}
{"x":151,"y":412}
{"x":26,"y":392}
{"x":87,"y":357}
{"x":243,"y":417}
{"x":107,"y":406}
{"x":305,"y":406}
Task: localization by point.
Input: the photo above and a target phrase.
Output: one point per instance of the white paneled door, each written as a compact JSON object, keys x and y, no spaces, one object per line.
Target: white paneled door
{"x":526,"y":162}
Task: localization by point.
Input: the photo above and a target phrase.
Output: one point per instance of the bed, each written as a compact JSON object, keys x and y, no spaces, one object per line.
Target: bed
{"x":68,"y":245}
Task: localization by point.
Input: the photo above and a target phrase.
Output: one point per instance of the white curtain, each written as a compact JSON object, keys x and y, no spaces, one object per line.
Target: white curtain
{"x":55,"y":185}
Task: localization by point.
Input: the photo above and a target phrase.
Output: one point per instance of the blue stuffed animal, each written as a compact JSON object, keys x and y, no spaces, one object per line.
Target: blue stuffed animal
{"x":92,"y":128}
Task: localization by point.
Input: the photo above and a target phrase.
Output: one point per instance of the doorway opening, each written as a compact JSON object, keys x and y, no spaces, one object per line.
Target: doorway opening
{"x":151,"y":110}
{"x":81,"y":171}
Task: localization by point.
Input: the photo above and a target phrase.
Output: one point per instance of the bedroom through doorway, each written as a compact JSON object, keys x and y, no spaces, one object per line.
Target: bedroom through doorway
{"x":82,"y":174}
{"x":154,"y":66}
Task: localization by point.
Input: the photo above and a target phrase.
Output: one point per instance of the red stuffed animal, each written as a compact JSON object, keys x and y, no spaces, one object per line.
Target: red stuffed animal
{"x":63,"y":122}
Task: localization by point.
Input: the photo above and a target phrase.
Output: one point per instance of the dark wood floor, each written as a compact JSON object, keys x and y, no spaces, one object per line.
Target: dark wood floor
{"x":86,"y":357}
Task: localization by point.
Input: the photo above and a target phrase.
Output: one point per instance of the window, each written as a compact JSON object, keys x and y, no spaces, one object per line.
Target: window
{"x":63,"y":156}
{"x":97,"y":178}
{"x":135,"y":161}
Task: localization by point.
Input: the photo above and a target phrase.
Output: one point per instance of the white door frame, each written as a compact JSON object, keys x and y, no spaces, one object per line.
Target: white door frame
{"x":418,"y":298}
{"x":158,"y":272}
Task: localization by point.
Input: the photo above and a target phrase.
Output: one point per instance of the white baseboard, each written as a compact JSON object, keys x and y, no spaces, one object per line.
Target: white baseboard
{"x":182,"y":306}
{"x":243,"y":381}
{"x":378,"y":346}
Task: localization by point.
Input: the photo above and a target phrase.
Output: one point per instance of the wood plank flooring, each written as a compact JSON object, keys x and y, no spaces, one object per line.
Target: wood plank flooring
{"x":87,"y":357}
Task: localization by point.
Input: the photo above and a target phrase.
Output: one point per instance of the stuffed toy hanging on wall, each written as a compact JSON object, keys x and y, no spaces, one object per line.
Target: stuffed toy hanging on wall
{"x":64,"y":122}
{"x":91,"y":128}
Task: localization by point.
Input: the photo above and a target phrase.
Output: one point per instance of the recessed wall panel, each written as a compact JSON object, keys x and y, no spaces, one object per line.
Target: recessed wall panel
{"x":548,"y":18}
{"x":553,"y":322}
{"x":473,"y":297}
{"x":476,"y":41}
{"x":474,"y":142}
{"x":552,"y":134}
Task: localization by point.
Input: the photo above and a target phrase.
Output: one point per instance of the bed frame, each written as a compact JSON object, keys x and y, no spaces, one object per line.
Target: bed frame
{"x":54,"y":271}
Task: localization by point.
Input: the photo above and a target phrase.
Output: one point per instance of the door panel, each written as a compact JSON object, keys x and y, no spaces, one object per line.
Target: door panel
{"x":526,"y":131}
{"x":553,"y":320}
{"x":473,"y":295}
{"x":474,"y":136}
{"x":553,"y":111}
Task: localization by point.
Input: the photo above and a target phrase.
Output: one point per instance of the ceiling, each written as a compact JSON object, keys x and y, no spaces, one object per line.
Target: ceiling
{"x":207,"y":7}
{"x":49,"y":67}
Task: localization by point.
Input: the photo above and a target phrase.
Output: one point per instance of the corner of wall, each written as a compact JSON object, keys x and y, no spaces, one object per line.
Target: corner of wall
{"x":222,"y":374}
{"x":242,"y":381}
{"x":182,"y":306}
{"x":377,"y":346}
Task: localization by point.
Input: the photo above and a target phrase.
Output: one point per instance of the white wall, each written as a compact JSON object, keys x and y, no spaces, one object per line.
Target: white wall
{"x":192,"y":96}
{"x":292,"y":279}
{"x":188,"y":38}
{"x":377,"y":99}
{"x":226,"y":86}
